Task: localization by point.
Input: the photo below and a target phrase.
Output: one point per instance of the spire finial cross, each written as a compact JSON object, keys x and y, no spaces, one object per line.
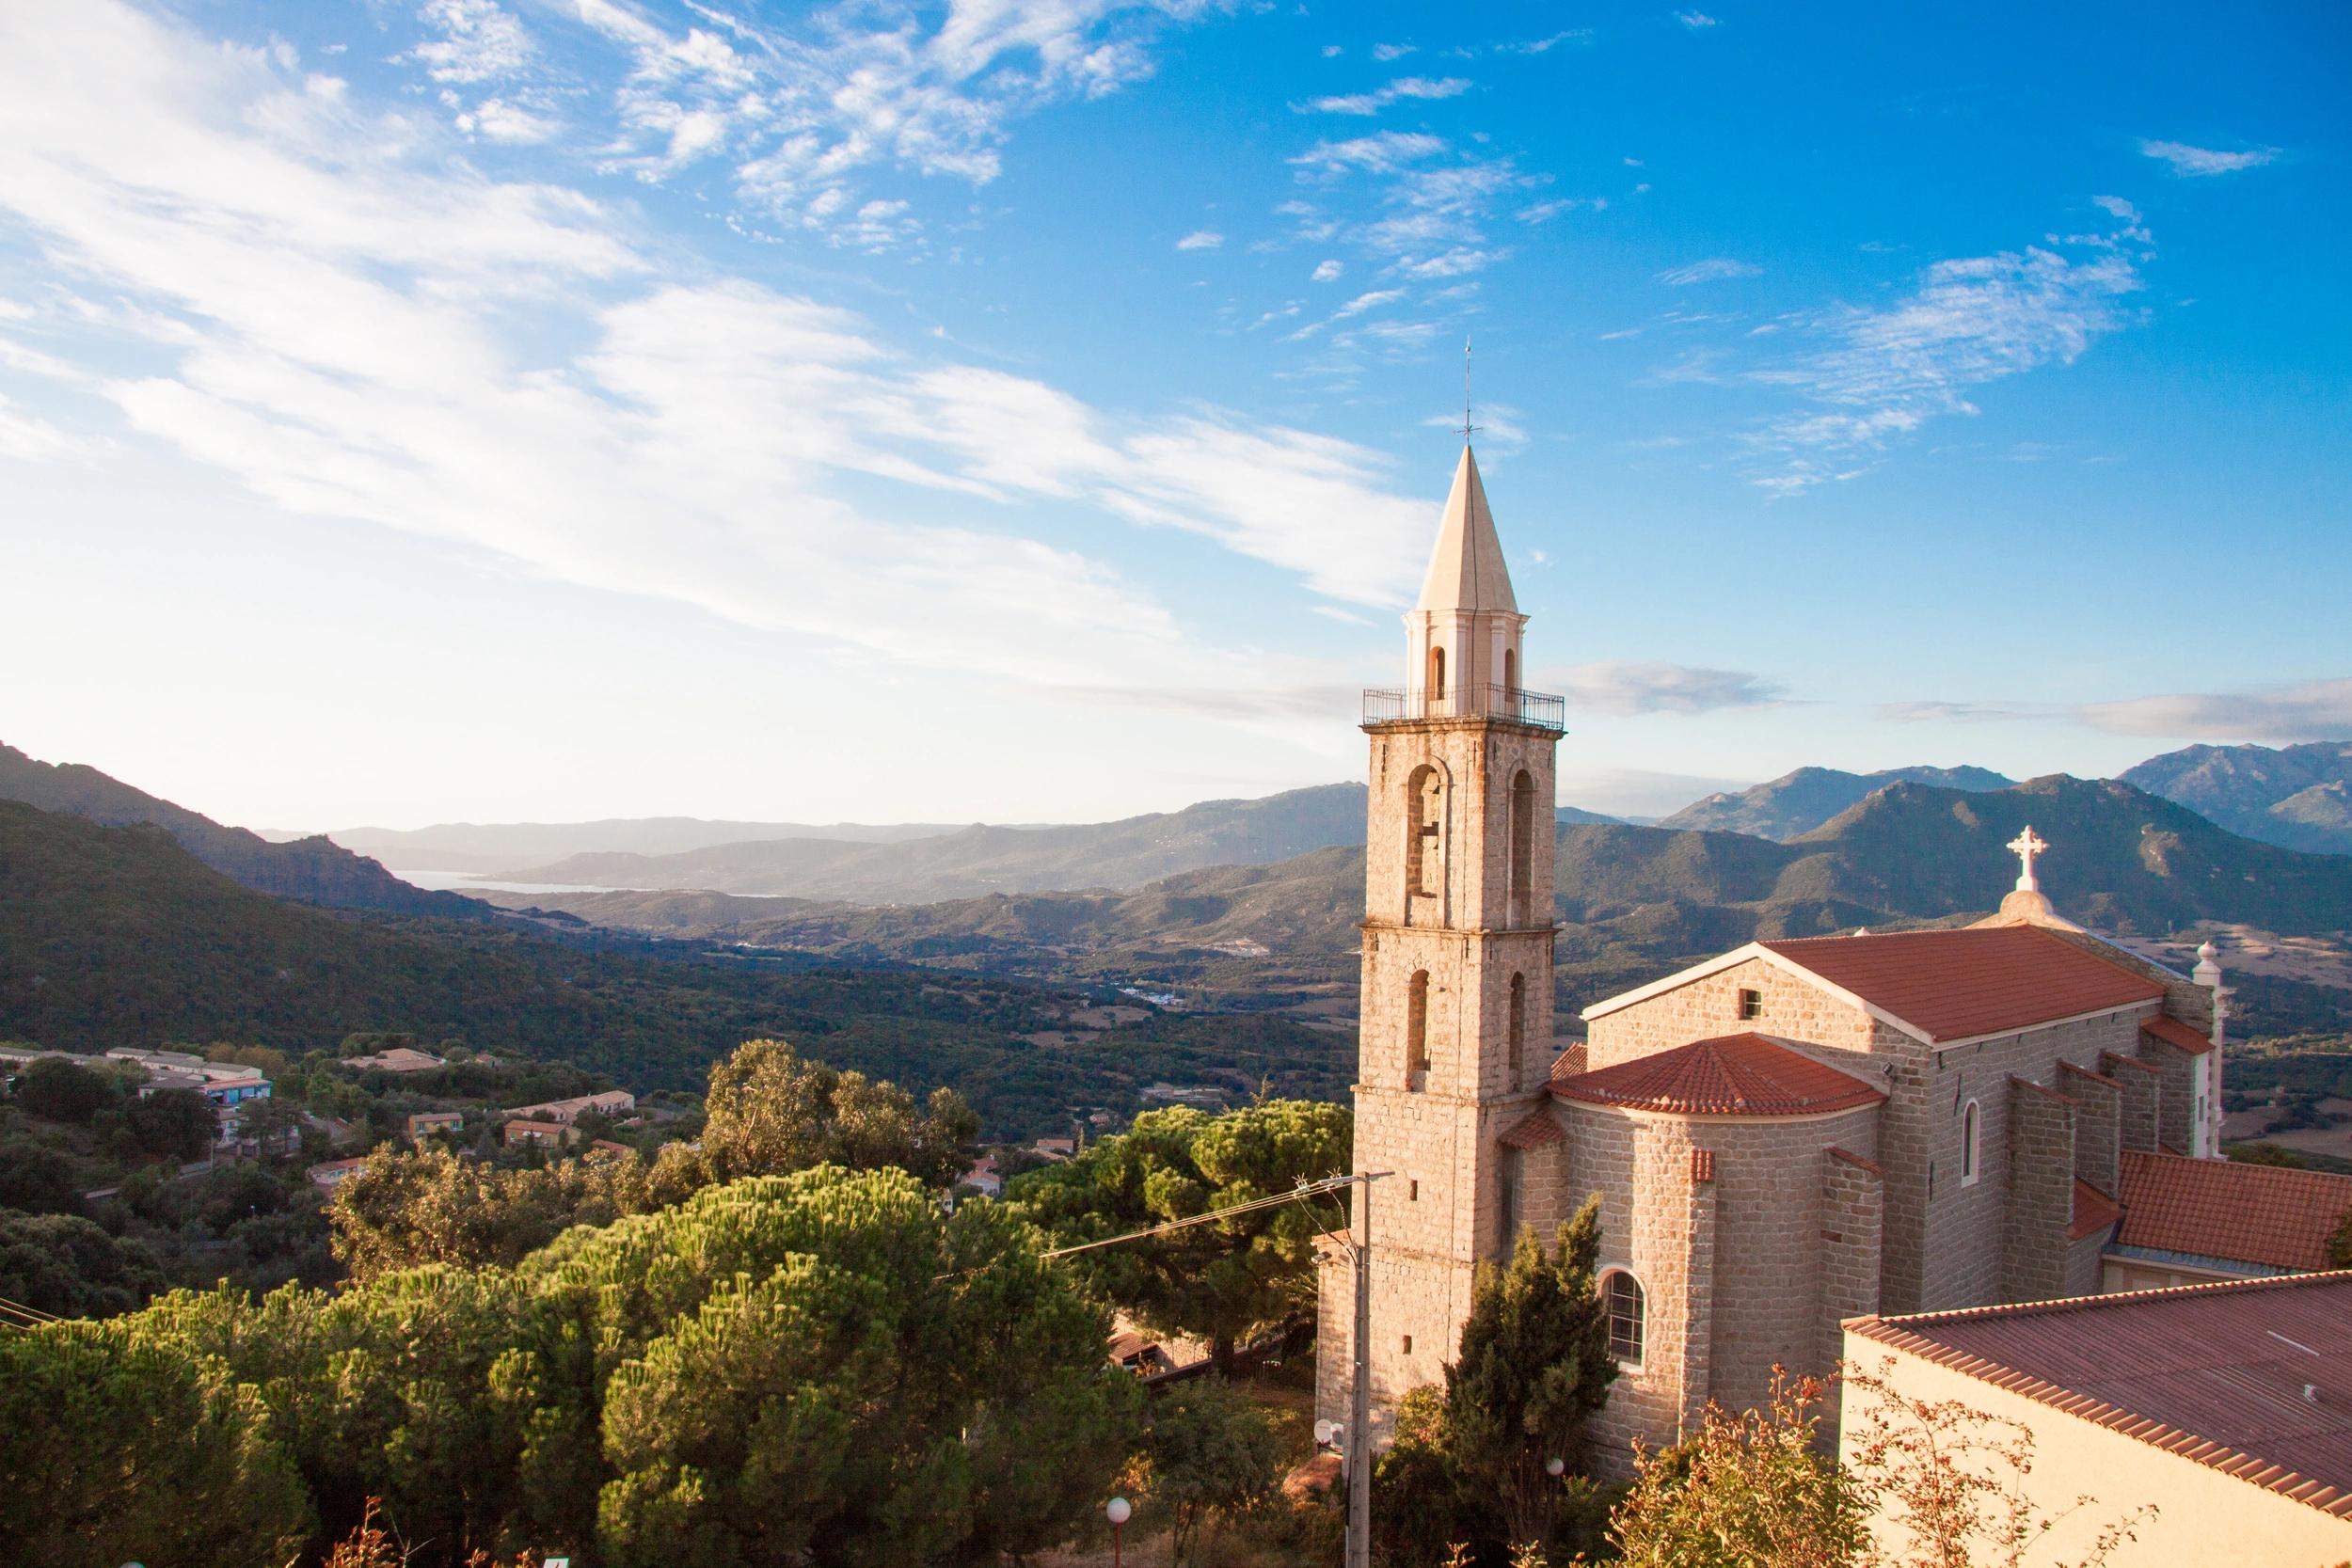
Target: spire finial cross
{"x":1467,"y":429}
{"x":2026,"y":846}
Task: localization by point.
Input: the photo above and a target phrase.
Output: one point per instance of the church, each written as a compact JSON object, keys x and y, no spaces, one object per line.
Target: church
{"x":1783,"y":1137}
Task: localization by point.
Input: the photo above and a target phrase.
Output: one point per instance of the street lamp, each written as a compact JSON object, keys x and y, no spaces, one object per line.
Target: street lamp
{"x":1555,"y":1467}
{"x":1118,"y":1511}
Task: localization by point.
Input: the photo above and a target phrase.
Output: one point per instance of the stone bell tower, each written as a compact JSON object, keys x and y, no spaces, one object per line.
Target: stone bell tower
{"x":1458,"y":932}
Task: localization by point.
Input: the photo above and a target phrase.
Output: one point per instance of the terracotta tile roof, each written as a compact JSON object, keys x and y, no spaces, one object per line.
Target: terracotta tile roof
{"x":1957,"y":985}
{"x":2216,"y":1373}
{"x":2173,"y":1032}
{"x":1702,"y":1165}
{"x":1569,"y":1062}
{"x":1539,"y":1128}
{"x":2265,"y":1214}
{"x":1739,"y":1075}
{"x":2093,"y":1211}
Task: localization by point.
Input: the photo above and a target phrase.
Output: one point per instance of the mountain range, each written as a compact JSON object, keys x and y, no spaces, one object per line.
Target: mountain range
{"x":312,"y":869}
{"x":492,"y":847}
{"x":2299,"y":796}
{"x":1796,"y":803}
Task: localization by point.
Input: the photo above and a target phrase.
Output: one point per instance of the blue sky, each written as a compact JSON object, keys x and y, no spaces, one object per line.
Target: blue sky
{"x":1025,"y":411}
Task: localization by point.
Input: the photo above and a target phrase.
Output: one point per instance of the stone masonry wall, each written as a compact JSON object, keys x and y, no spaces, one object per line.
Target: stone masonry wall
{"x":2098,"y":1124}
{"x":1793,"y":1008}
{"x":1728,"y":1248}
{"x":1947,"y":1239}
{"x":1854,"y":1216}
{"x":1478,"y":760}
{"x":2177,"y":1071}
{"x":2143,"y":1102}
{"x":2041,"y":1146}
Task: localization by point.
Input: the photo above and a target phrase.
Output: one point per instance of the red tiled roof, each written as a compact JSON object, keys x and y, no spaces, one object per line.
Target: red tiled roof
{"x":2173,"y":1032}
{"x":1980,"y":980}
{"x":2093,"y":1211}
{"x":1739,"y":1075}
{"x":1537,"y":1129}
{"x":1569,"y":1062}
{"x":2265,"y":1214}
{"x":2216,"y":1373}
{"x":1702,"y":1165}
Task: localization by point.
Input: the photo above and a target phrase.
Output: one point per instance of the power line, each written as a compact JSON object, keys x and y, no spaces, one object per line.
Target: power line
{"x":33,"y":1312}
{"x":1300,"y":1194}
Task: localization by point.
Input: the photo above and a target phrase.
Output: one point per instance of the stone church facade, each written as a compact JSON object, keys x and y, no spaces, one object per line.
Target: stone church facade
{"x":1787,"y":1135}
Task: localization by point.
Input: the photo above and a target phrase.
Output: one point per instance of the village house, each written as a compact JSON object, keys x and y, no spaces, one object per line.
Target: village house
{"x":400,"y":1058}
{"x":611,"y":1103}
{"x":2213,"y":1421}
{"x":1787,"y":1135}
{"x":522,"y":1131}
{"x":424,"y":1124}
{"x":329,"y":1174}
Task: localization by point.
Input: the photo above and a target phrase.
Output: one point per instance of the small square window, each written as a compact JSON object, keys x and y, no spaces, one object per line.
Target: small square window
{"x":1751,"y":1004}
{"x":1409,"y":1344}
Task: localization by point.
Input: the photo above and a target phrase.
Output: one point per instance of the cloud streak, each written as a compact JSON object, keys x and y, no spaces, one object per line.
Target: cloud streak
{"x":2203,"y":162}
{"x":1625,"y":689}
{"x":2312,"y":710}
{"x":323,"y":301}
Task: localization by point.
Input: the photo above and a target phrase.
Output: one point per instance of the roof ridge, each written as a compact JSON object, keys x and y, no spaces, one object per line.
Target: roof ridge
{"x":2077,"y":1304}
{"x":2241,"y":1169}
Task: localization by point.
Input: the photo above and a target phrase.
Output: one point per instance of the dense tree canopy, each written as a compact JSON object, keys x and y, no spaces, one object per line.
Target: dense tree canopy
{"x":823,"y":1368}
{"x":768,"y":1111}
{"x":1221,"y":1281}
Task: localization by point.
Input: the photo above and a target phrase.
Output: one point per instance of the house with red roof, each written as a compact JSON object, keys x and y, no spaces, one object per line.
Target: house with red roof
{"x":2212,"y":1422}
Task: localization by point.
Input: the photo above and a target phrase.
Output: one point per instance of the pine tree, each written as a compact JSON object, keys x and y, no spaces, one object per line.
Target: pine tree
{"x":1534,"y":1364}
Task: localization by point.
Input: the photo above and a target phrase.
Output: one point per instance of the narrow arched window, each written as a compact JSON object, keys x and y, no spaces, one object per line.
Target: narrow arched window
{"x":1968,"y":1146}
{"x":1517,"y":1033}
{"x":1621,"y":1294}
{"x":1511,"y":672}
{"x":1417,"y":1032}
{"x":1424,"y":805}
{"x":1437,"y":674}
{"x":1510,"y":1207}
{"x":1522,"y":873}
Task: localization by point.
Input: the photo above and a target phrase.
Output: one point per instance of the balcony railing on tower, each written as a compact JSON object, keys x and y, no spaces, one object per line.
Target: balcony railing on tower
{"x":1507,"y":705}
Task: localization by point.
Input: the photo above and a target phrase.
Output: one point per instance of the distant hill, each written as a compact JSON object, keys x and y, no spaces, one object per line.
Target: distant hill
{"x":1796,"y":803}
{"x":313,"y":870}
{"x":117,"y":936}
{"x":1633,"y":900}
{"x":490,"y":846}
{"x":2297,"y":797}
{"x":982,"y":859}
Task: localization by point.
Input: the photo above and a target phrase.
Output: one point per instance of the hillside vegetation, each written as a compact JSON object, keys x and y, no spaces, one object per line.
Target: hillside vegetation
{"x":2297,"y":797}
{"x":116,"y":935}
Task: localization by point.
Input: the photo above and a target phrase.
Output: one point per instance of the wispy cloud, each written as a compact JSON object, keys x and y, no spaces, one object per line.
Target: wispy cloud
{"x":1628,"y":688}
{"x":1713,"y":269}
{"x":1697,"y":21}
{"x":1327,"y":272}
{"x":1883,"y":372}
{"x":1421,"y":89}
{"x":1384,"y":53}
{"x":1955,"y":712}
{"x":799,"y":105}
{"x":2194,"y":162}
{"x":2312,"y":710}
{"x":1435,"y":201}
{"x":348,"y":317}
{"x":1200,"y":239}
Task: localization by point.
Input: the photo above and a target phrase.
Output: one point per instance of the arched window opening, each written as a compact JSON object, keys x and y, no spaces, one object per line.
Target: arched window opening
{"x":1437,"y":674}
{"x":1417,"y":1032}
{"x":1517,"y":1033}
{"x":1622,"y":1296}
{"x":1510,"y":1210}
{"x":1425,"y":803}
{"x":1522,"y":881}
{"x":1968,"y":1146}
{"x":1511,"y":672}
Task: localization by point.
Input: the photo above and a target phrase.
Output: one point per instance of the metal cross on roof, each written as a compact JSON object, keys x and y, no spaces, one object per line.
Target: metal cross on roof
{"x":1467,"y":429}
{"x":2027,"y":845}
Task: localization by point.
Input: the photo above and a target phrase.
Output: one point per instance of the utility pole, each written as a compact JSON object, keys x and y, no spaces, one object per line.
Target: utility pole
{"x":1359,"y":1405}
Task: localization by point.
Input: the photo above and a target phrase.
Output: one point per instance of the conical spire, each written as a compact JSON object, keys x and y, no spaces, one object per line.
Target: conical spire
{"x":1465,"y":572}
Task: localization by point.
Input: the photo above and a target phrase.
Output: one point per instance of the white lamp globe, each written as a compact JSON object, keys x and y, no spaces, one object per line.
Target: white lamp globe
{"x":1555,"y":1466}
{"x":1118,"y":1511}
{"x":1325,"y":1431}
